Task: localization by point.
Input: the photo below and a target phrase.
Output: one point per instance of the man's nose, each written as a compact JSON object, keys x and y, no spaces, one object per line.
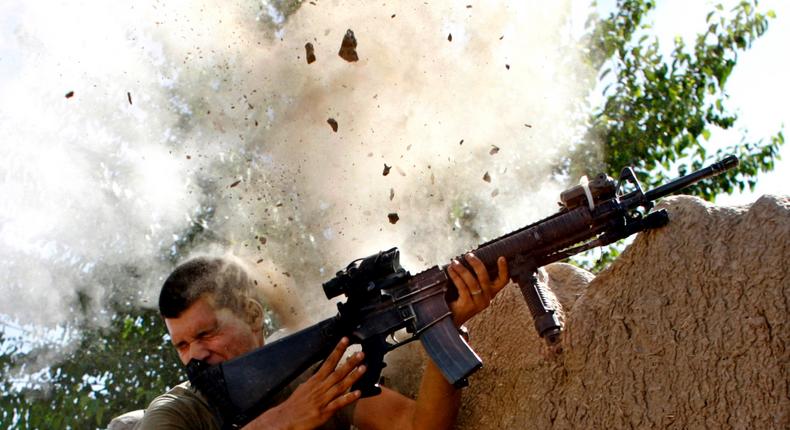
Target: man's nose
{"x":198,"y":351}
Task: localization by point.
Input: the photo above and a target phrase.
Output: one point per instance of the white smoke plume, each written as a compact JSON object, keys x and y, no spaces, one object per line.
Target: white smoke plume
{"x":199,"y":125}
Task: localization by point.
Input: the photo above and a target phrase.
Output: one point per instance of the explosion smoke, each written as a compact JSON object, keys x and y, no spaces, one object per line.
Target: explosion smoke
{"x":226,"y":145}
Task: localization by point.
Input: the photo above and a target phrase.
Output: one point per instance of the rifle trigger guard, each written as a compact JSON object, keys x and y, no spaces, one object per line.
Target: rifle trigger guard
{"x":398,"y":343}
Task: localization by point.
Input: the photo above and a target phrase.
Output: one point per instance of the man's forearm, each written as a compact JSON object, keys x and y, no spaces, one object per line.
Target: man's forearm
{"x":437,"y":402}
{"x":435,"y":408}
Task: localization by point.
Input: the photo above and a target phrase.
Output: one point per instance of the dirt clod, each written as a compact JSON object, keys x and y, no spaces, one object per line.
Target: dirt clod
{"x":309,"y":52}
{"x":348,"y":48}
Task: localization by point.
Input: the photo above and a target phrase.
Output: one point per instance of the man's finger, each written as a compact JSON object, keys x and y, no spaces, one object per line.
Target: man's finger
{"x":502,"y":278}
{"x":342,"y":401}
{"x":342,"y":385}
{"x":469,"y":279}
{"x":345,"y":369}
{"x":479,"y":268}
{"x":331,"y":362}
{"x":348,"y":381}
{"x":481,"y":273}
{"x":458,"y":281}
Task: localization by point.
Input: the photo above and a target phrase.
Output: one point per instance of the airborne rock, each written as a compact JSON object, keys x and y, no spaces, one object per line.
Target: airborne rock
{"x":309,"y":53}
{"x":348,"y":48}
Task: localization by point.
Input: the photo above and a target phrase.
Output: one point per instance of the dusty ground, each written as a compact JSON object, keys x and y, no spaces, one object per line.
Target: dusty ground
{"x":687,"y":329}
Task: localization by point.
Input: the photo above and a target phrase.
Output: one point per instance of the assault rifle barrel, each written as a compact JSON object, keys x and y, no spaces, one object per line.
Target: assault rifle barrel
{"x":678,"y":184}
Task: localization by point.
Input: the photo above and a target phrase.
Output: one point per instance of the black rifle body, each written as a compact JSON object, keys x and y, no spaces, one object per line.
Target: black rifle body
{"x":383,"y":298}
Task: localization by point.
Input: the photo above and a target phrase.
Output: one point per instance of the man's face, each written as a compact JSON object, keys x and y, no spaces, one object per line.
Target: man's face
{"x":212,"y":335}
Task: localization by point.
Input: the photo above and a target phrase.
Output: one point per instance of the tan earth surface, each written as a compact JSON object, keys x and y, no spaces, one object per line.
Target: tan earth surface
{"x":688,"y":328}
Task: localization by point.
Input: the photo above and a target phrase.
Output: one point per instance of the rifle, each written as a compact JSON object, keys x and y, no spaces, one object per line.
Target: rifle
{"x":383,"y":298}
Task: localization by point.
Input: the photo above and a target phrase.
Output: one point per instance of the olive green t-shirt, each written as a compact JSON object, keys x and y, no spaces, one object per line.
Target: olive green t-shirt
{"x":185,"y":408}
{"x":181,"y":408}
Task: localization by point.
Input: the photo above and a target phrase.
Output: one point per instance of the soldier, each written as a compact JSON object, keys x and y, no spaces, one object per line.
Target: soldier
{"x":212,"y":314}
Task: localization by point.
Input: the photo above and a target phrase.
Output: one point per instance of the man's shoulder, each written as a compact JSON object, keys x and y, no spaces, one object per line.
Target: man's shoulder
{"x":182,"y":393}
{"x":181,"y":407}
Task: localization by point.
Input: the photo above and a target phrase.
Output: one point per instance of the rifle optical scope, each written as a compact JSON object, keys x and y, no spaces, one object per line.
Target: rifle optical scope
{"x":365,"y":275}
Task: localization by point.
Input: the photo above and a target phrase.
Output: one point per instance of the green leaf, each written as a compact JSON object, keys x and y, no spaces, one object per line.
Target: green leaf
{"x":659,"y":112}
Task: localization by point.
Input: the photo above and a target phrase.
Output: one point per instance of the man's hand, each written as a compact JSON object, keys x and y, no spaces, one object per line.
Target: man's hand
{"x":318,"y":398}
{"x":475,"y":290}
{"x":438,"y":401}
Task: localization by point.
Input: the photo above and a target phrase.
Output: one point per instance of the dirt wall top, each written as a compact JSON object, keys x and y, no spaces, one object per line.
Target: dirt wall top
{"x":687,"y":329}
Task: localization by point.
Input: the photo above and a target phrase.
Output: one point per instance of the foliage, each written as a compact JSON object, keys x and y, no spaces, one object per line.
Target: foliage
{"x":110,"y":371}
{"x":659,"y":112}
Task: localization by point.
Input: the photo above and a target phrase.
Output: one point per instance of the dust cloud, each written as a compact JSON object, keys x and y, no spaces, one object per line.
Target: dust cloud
{"x":200,"y":126}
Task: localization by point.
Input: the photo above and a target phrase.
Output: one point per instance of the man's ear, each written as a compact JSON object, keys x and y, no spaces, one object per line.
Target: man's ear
{"x":253,"y":312}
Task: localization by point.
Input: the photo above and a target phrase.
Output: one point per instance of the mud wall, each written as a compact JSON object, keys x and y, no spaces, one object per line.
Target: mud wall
{"x":687,"y":329}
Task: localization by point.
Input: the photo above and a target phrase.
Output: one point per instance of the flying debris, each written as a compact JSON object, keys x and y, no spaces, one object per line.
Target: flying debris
{"x":393,"y":217}
{"x":332,"y":123}
{"x":487,"y":177}
{"x":70,"y":94}
{"x":386,"y":170}
{"x":450,"y":37}
{"x":235,"y":183}
{"x":309,"y":52}
{"x":494,"y":149}
{"x":129,"y":97}
{"x":348,"y":49}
